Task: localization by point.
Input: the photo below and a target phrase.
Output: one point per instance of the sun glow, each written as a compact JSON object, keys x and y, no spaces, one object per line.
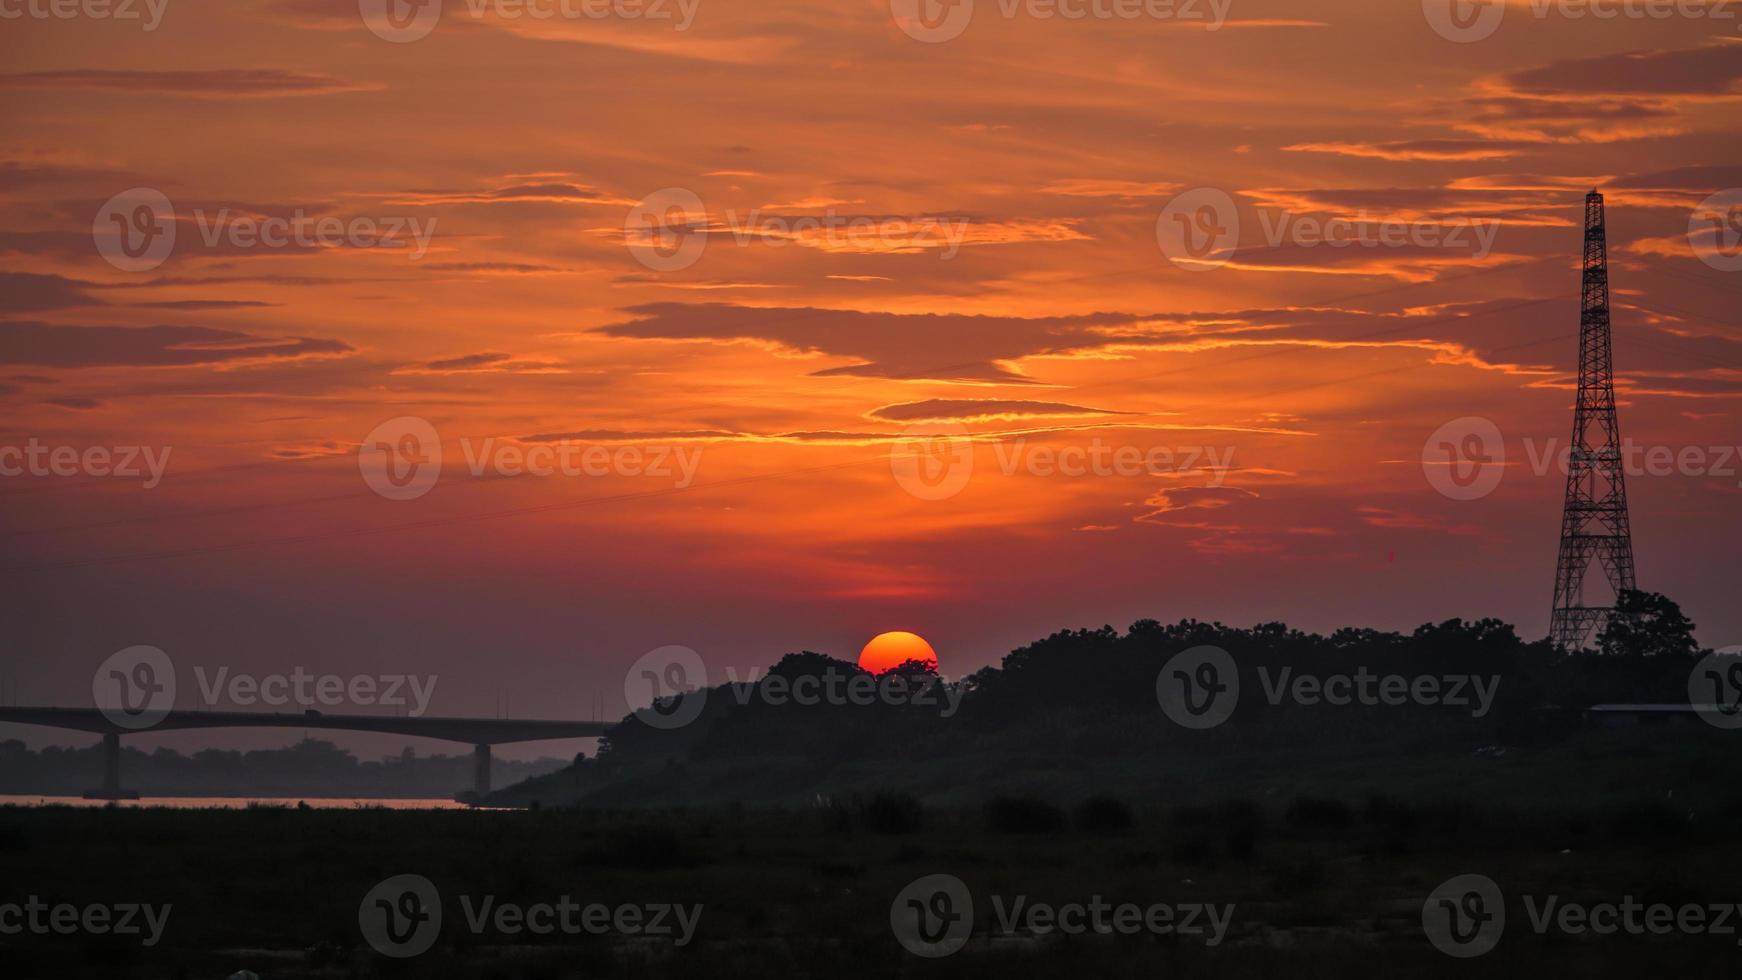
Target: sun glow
{"x":892,"y":649}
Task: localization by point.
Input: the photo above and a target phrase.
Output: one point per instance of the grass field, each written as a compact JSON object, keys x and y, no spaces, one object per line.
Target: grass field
{"x":1325,"y":879}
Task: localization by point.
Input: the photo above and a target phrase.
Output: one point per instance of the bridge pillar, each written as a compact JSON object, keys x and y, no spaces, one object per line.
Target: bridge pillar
{"x":481,"y":768}
{"x":111,"y":789}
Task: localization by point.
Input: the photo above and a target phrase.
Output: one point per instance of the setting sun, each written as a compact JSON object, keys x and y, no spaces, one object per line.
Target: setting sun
{"x":893,"y":649}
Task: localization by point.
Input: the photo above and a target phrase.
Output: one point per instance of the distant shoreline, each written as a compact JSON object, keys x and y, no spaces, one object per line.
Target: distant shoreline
{"x":209,"y":802}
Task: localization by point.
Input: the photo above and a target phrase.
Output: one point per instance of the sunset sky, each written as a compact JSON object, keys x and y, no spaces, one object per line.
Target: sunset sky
{"x":1013,"y":284}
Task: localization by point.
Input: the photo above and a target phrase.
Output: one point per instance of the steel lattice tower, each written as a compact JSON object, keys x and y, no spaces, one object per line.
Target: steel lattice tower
{"x":1594,"y":522}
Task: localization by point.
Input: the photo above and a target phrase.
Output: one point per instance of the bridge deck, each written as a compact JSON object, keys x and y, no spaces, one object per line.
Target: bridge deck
{"x":475,"y":731}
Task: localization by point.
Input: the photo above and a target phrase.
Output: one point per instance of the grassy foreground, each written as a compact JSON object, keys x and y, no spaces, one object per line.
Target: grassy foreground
{"x":1322,"y":885}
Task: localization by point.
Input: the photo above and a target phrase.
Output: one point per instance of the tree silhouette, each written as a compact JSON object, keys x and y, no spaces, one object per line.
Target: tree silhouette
{"x":1647,"y":624}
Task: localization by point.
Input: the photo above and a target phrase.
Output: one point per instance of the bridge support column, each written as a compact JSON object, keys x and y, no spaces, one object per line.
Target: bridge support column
{"x":111,"y":789}
{"x":481,"y":768}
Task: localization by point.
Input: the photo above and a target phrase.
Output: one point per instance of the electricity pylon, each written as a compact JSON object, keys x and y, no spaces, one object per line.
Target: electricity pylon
{"x":1594,"y":522}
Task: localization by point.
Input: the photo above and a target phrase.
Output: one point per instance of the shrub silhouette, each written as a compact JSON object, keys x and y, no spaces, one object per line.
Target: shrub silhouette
{"x":893,"y":813}
{"x":1295,"y":880}
{"x":1389,"y":814}
{"x":1193,"y":848}
{"x":1103,"y":815}
{"x":1314,"y":814}
{"x":1648,"y":820}
{"x":1023,"y":815}
{"x":1242,"y":823}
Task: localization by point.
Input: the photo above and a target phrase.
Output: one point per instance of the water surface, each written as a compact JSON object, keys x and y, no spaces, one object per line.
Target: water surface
{"x":233,"y":802}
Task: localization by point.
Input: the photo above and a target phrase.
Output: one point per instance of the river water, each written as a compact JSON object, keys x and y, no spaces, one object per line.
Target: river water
{"x":233,"y":802}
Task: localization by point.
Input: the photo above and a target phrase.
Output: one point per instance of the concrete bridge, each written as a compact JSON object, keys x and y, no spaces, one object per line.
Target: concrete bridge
{"x":480,"y":733}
